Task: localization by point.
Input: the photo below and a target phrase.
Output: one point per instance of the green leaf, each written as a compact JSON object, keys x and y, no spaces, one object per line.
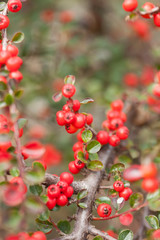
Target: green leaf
{"x":93,"y":147}
{"x":9,"y":99}
{"x":36,"y":189}
{"x":95,"y":165}
{"x":11,"y":149}
{"x":93,"y":156}
{"x":44,"y":215}
{"x":36,"y":175}
{"x":81,"y":157}
{"x":116,"y":168}
{"x":82,"y":205}
{"x":125,"y":159}
{"x":154,"y":200}
{"x":2,"y":6}
{"x":14,"y":172}
{"x":86,"y":136}
{"x":18,"y":37}
{"x":103,"y":200}
{"x":82,"y":194}
{"x":157,"y":160}
{"x":125,"y":235}
{"x":98,"y":238}
{"x":3,"y":86}
{"x":18,"y":93}
{"x":153,"y":221}
{"x":44,"y":198}
{"x":87,"y":100}
{"x":134,"y":153}
{"x":69,"y":79}
{"x":64,"y":226}
{"x":44,"y":226}
{"x":22,"y":122}
{"x":135,"y":199}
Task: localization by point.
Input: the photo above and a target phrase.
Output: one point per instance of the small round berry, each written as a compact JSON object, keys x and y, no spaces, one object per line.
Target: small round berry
{"x":19,"y":184}
{"x":14,"y":63}
{"x":4,"y":21}
{"x":106,"y":124}
{"x":131,"y":80}
{"x":116,"y":123}
{"x":149,"y":170}
{"x":126,"y":193}
{"x":14,"y":5}
{"x":126,"y":219}
{"x":79,"y":164}
{"x":66,"y":177}
{"x":130,"y":5}
{"x":69,"y":117}
{"x":69,"y":192}
{"x":70,"y":128}
{"x":114,"y":140}
{"x":156,"y":90}
{"x":3,"y":79}
{"x":51,"y":203}
{"x":123,"y":117}
{"x":102,"y":137}
{"x":122,"y":132}
{"x":62,"y":186}
{"x":156,"y":234}
{"x":68,"y":90}
{"x":72,"y":168}
{"x":89,"y":119}
{"x":117,"y":105}
{"x":17,"y":75}
{"x":13,"y":50}
{"x":118,"y":186}
{"x":39,"y":236}
{"x":157,"y":19}
{"x":104,"y":210}
{"x":76,"y":105}
{"x":62,"y":200}
{"x":150,"y":184}
{"x":77,"y":145}
{"x":80,"y":120}
{"x":4,"y":56}
{"x":112,"y":114}
{"x":66,"y":108}
{"x":147,"y":7}
{"x":53,"y":191}
{"x":60,"y":118}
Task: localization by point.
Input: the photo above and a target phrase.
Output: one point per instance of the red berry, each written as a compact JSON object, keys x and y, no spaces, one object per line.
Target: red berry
{"x":62,"y":200}
{"x":19,"y":184}
{"x":3,"y":79}
{"x":89,"y":119}
{"x":102,"y":137}
{"x":14,"y":5}
{"x":122,"y":132}
{"x":70,"y":128}
{"x":79,"y":164}
{"x":150,"y":184}
{"x":156,"y":235}
{"x":156,"y":90}
{"x":66,"y":108}
{"x":76,"y":105}
{"x":39,"y":236}
{"x":13,"y":50}
{"x":3,"y":124}
{"x":157,"y":19}
{"x":51,"y":203}
{"x":53,"y":191}
{"x":62,"y":186}
{"x":106,"y":124}
{"x":68,"y":90}
{"x":116,"y":123}
{"x":117,"y":105}
{"x":112,"y":114}
{"x":69,"y":117}
{"x":80,"y":120}
{"x":17,"y":75}
{"x":4,"y":21}
{"x":77,"y":145}
{"x":69,"y":192}
{"x":23,"y":235}
{"x":123,"y":117}
{"x":60,"y":118}
{"x":131,"y":80}
{"x":126,"y":219}
{"x":130,"y":5}
{"x":72,"y":168}
{"x":147,"y":7}
{"x":104,"y":210}
{"x":66,"y":177}
{"x":4,"y":56}
{"x":66,"y":16}
{"x":118,"y":186}
{"x":14,"y":63}
{"x":149,"y":170}
{"x":114,"y":140}
{"x":125,"y":193}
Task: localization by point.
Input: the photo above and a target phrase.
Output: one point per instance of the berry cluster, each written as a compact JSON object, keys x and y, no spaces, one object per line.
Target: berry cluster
{"x":59,"y":193}
{"x":115,"y":131}
{"x":124,"y":192}
{"x":25,"y":236}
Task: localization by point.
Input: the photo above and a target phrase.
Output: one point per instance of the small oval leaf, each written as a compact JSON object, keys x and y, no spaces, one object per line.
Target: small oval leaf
{"x":116,"y":168}
{"x":82,"y":194}
{"x":18,"y":37}
{"x":153,"y":221}
{"x":69,"y":79}
{"x":95,"y":165}
{"x":64,"y":226}
{"x":93,"y":147}
{"x":87,"y":100}
{"x":86,"y":136}
{"x":135,"y":199}
{"x":125,"y":235}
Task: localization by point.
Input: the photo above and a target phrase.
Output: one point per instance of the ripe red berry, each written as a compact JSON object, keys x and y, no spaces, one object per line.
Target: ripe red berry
{"x":131,"y":80}
{"x":150,"y":184}
{"x":39,"y":236}
{"x":77,"y":145}
{"x":117,"y":105}
{"x":149,"y":170}
{"x":66,"y":108}
{"x":3,"y":79}
{"x":80,"y":120}
{"x":76,"y":105}
{"x":122,"y":132}
{"x":3,"y":124}
{"x":14,"y":63}
{"x":62,"y":186}
{"x":68,"y":90}
{"x":79,"y":164}
{"x":112,"y":114}
{"x":114,"y":140}
{"x":126,"y":193}
{"x":148,"y":6}
{"x":23,"y":235}
{"x":72,"y":168}
{"x":53,"y":191}
{"x":69,"y":117}
{"x":51,"y":203}
{"x":62,"y":200}
{"x":89,"y":119}
{"x":66,"y":177}
{"x":116,"y":123}
{"x":4,"y":56}
{"x":126,"y":219}
{"x":60,"y":118}
{"x":17,"y":75}
{"x":156,"y":90}
{"x":14,"y":5}
{"x":69,"y":192}
{"x":102,"y":137}
{"x":123,"y":117}
{"x":156,"y":235}
{"x":4,"y":21}
{"x":70,"y":128}
{"x":130,"y":5}
{"x":19,"y":184}
{"x":118,"y":186}
{"x":157,"y":19}
{"x":106,"y":124}
{"x":104,"y":210}
{"x":13,"y":50}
